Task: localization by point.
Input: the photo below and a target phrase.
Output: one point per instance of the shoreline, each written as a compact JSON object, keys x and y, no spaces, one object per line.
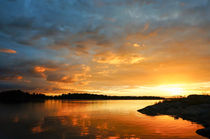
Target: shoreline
{"x":16,"y":96}
{"x":194,"y":108}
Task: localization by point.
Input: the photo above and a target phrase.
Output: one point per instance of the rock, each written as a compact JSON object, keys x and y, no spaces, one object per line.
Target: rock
{"x":204,"y":132}
{"x":195,"y":108}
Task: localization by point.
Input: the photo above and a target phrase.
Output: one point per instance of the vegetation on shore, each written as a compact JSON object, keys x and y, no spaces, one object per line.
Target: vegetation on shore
{"x":20,"y":96}
{"x":195,"y":108}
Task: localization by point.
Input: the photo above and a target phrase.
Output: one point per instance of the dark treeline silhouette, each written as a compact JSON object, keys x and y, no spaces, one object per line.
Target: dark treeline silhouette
{"x":20,"y":96}
{"x":94,"y":96}
{"x":14,"y":96}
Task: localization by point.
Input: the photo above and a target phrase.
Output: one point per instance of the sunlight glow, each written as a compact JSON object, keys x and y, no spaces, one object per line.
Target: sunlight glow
{"x":172,"y":90}
{"x":175,"y":91}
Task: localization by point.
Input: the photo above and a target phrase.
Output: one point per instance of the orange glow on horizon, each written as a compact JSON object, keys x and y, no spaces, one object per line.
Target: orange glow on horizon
{"x":170,"y":90}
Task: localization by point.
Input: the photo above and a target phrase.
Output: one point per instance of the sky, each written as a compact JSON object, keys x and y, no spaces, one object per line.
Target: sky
{"x":112,"y":47}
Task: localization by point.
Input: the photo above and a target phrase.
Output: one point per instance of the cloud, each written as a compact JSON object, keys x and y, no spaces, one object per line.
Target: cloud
{"x":39,"y":69}
{"x":64,"y":73}
{"x":112,"y":58}
{"x":11,"y":78}
{"x":60,"y":78}
{"x":90,"y":45}
{"x":7,"y":51}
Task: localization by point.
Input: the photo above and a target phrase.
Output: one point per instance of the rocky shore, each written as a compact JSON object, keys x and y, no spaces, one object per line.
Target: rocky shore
{"x":195,"y":108}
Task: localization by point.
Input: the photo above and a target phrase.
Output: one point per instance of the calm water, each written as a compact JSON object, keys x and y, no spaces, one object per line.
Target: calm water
{"x":111,"y":119}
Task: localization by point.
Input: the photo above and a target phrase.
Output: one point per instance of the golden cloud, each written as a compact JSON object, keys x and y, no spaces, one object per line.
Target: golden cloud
{"x":113,"y":58}
{"x":39,"y":69}
{"x":43,"y":69}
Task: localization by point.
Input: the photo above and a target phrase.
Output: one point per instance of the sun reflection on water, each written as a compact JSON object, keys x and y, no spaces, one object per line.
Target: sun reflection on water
{"x":109,"y":119}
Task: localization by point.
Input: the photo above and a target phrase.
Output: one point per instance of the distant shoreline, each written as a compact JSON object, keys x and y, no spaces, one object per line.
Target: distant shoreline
{"x":16,"y":96}
{"x":195,"y":108}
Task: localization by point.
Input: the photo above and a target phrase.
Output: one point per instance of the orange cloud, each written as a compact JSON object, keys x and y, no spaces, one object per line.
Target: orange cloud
{"x":64,"y":79}
{"x":15,"y":77}
{"x":64,"y":74}
{"x":39,"y":69}
{"x":112,"y":58}
{"x":7,"y":51}
{"x":19,"y":77}
{"x":42,"y":69}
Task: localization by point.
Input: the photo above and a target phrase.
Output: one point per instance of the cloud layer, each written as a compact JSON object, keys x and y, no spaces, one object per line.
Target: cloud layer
{"x":62,"y":45}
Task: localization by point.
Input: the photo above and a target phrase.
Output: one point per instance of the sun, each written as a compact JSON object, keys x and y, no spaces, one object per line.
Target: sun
{"x":175,"y":91}
{"x":171,"y":90}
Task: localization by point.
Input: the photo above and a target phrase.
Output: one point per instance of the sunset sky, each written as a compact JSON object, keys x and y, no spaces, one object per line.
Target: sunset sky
{"x":112,"y":47}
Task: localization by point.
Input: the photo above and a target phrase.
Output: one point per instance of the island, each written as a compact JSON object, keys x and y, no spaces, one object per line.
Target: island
{"x":195,"y":108}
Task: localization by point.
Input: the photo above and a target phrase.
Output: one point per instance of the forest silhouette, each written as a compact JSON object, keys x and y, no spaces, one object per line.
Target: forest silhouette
{"x":14,"y":96}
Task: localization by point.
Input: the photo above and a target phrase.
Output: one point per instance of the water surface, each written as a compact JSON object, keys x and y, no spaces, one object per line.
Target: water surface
{"x":110,"y":119}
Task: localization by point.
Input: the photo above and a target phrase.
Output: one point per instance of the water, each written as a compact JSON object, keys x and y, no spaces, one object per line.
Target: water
{"x":110,"y":119}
